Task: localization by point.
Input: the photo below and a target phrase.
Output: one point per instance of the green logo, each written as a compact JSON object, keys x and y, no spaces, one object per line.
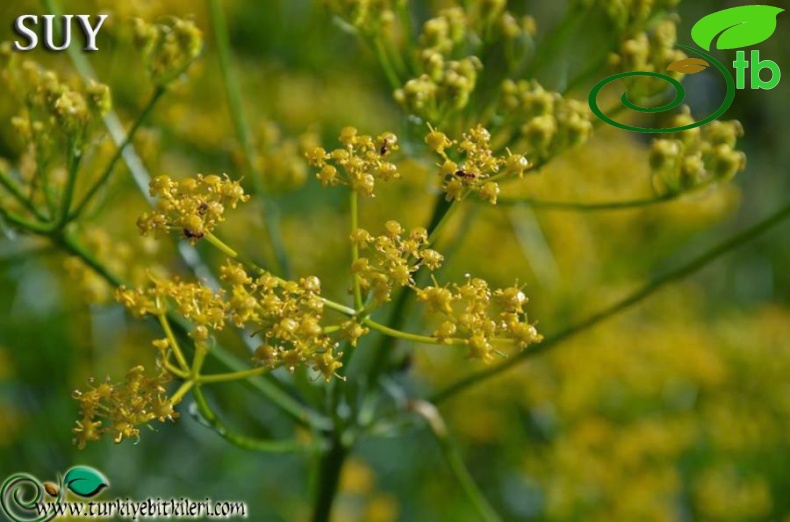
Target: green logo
{"x":735,"y":28}
{"x":22,"y":494}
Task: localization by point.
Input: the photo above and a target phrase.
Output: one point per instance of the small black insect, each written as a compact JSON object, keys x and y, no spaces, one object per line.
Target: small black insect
{"x":191,"y":235}
{"x":465,"y":174}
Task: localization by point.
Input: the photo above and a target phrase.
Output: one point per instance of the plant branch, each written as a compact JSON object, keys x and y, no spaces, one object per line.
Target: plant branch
{"x":354,"y":199}
{"x":647,"y":290}
{"x":211,"y":420}
{"x":119,"y":151}
{"x":8,"y":183}
{"x":329,"y":479}
{"x":573,"y":206}
{"x":281,"y":264}
{"x":452,"y":455}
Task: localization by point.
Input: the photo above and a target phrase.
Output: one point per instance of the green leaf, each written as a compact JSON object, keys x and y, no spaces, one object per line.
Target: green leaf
{"x":84,"y":481}
{"x":739,"y":27}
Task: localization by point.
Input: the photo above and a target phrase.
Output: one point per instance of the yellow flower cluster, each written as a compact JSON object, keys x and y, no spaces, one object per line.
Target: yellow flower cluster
{"x":205,"y":308}
{"x":362,"y":161}
{"x":482,"y":317}
{"x":370,"y":17}
{"x":653,"y":51}
{"x":118,"y":409}
{"x":626,"y":14}
{"x":697,"y":156}
{"x":446,"y":83}
{"x":287,"y":314}
{"x":389,"y":260}
{"x":52,"y":108}
{"x":192,"y":206}
{"x":469,"y":165}
{"x":551,"y":122}
{"x":445,"y":86}
{"x":168,"y":48}
{"x":280,"y":161}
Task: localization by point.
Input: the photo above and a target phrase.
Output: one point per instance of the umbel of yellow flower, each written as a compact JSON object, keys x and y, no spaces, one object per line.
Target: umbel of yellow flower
{"x":287,"y":315}
{"x":388,"y":261}
{"x":697,"y":157}
{"x":359,"y":163}
{"x":192,"y":206}
{"x":168,"y":48}
{"x":117,"y":409}
{"x":469,"y":165}
{"x":51,"y":107}
{"x":480,"y":316}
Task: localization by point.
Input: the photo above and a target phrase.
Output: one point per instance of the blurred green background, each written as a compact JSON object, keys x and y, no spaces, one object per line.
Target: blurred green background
{"x":676,"y":410}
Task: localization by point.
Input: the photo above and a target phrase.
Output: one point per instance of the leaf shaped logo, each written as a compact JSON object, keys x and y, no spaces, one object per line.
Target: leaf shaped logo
{"x":688,"y":66}
{"x":84,"y":481}
{"x":739,"y":27}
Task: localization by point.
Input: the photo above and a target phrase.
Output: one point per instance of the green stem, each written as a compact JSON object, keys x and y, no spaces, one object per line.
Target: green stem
{"x":222,"y":247}
{"x":164,"y":322}
{"x":9,"y":184}
{"x":549,"y":48}
{"x":41,"y":175}
{"x":182,"y":391}
{"x":354,"y":204}
{"x":232,"y":376}
{"x":386,"y":64}
{"x":280,"y":261}
{"x":237,"y":439}
{"x":573,"y":206}
{"x":328,"y":480}
{"x":74,"y":160}
{"x":647,"y":290}
{"x":454,"y":460}
{"x":414,"y":338}
{"x":23,"y":223}
{"x":108,"y":170}
{"x":407,"y":27}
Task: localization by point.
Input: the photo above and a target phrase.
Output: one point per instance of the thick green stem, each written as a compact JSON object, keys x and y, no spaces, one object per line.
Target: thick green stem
{"x":331,"y":466}
{"x":647,"y":290}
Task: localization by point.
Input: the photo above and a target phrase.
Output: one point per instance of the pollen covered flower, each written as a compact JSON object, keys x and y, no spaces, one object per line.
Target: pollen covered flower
{"x":482,"y":317}
{"x":388,"y":261}
{"x":168,"y":48}
{"x":359,"y":164}
{"x":192,"y":206}
{"x":470,"y":165}
{"x":118,"y":409}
